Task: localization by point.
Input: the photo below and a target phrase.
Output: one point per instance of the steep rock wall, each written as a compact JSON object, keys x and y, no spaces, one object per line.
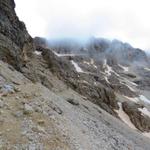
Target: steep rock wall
{"x":16,"y":45}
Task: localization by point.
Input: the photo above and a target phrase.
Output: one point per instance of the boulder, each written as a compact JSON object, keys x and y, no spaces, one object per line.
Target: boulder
{"x":28,"y":109}
{"x":73,"y":101}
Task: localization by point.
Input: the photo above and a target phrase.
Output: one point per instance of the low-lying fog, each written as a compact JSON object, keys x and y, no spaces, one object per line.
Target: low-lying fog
{"x":125,"y":20}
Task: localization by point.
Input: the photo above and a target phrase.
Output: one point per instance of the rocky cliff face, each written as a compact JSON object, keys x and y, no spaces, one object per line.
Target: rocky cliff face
{"x":105,"y":73}
{"x":98,"y":94}
{"x":68,"y":95}
{"x":15,"y":42}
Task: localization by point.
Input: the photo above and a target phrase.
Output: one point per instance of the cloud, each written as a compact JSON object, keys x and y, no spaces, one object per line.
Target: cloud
{"x":125,"y":20}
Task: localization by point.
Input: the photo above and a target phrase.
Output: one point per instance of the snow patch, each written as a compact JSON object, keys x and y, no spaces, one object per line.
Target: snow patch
{"x":124,"y":117}
{"x":126,"y":80}
{"x":95,"y":83}
{"x":148,"y":69}
{"x":78,"y":69}
{"x":126,"y":69}
{"x":131,"y":83}
{"x":92,"y":63}
{"x":66,"y":55}
{"x":122,"y":82}
{"x":135,"y":99}
{"x":147,"y":134}
{"x":144,"y":111}
{"x":107,"y":68}
{"x":106,"y":78}
{"x":86,"y":62}
{"x":63,"y":55}
{"x":130,"y":88}
{"x":102,"y":72}
{"x":37,"y":53}
{"x":144,"y":99}
{"x":95,"y":66}
{"x":85,"y":82}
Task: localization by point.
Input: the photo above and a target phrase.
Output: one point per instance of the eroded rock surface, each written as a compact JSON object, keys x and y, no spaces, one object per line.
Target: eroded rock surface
{"x":142,"y":122}
{"x":16,"y":45}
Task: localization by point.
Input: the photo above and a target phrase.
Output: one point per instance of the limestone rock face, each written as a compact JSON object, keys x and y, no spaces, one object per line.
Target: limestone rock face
{"x":140,"y":121}
{"x":15,"y":43}
{"x":123,"y":52}
{"x":98,"y":94}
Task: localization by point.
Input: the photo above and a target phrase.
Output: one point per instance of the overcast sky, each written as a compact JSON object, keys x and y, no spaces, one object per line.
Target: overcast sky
{"x":126,"y":20}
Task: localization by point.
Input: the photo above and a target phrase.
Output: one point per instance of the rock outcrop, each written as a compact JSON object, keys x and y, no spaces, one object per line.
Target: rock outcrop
{"x":34,"y":117}
{"x":16,"y":45}
{"x":98,"y":94}
{"x":40,"y":42}
{"x":123,"y":52}
{"x":140,"y":121}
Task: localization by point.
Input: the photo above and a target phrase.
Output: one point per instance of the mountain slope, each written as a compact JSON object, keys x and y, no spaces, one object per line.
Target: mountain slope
{"x":33,"y":117}
{"x":103,"y":78}
{"x":68,"y":95}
